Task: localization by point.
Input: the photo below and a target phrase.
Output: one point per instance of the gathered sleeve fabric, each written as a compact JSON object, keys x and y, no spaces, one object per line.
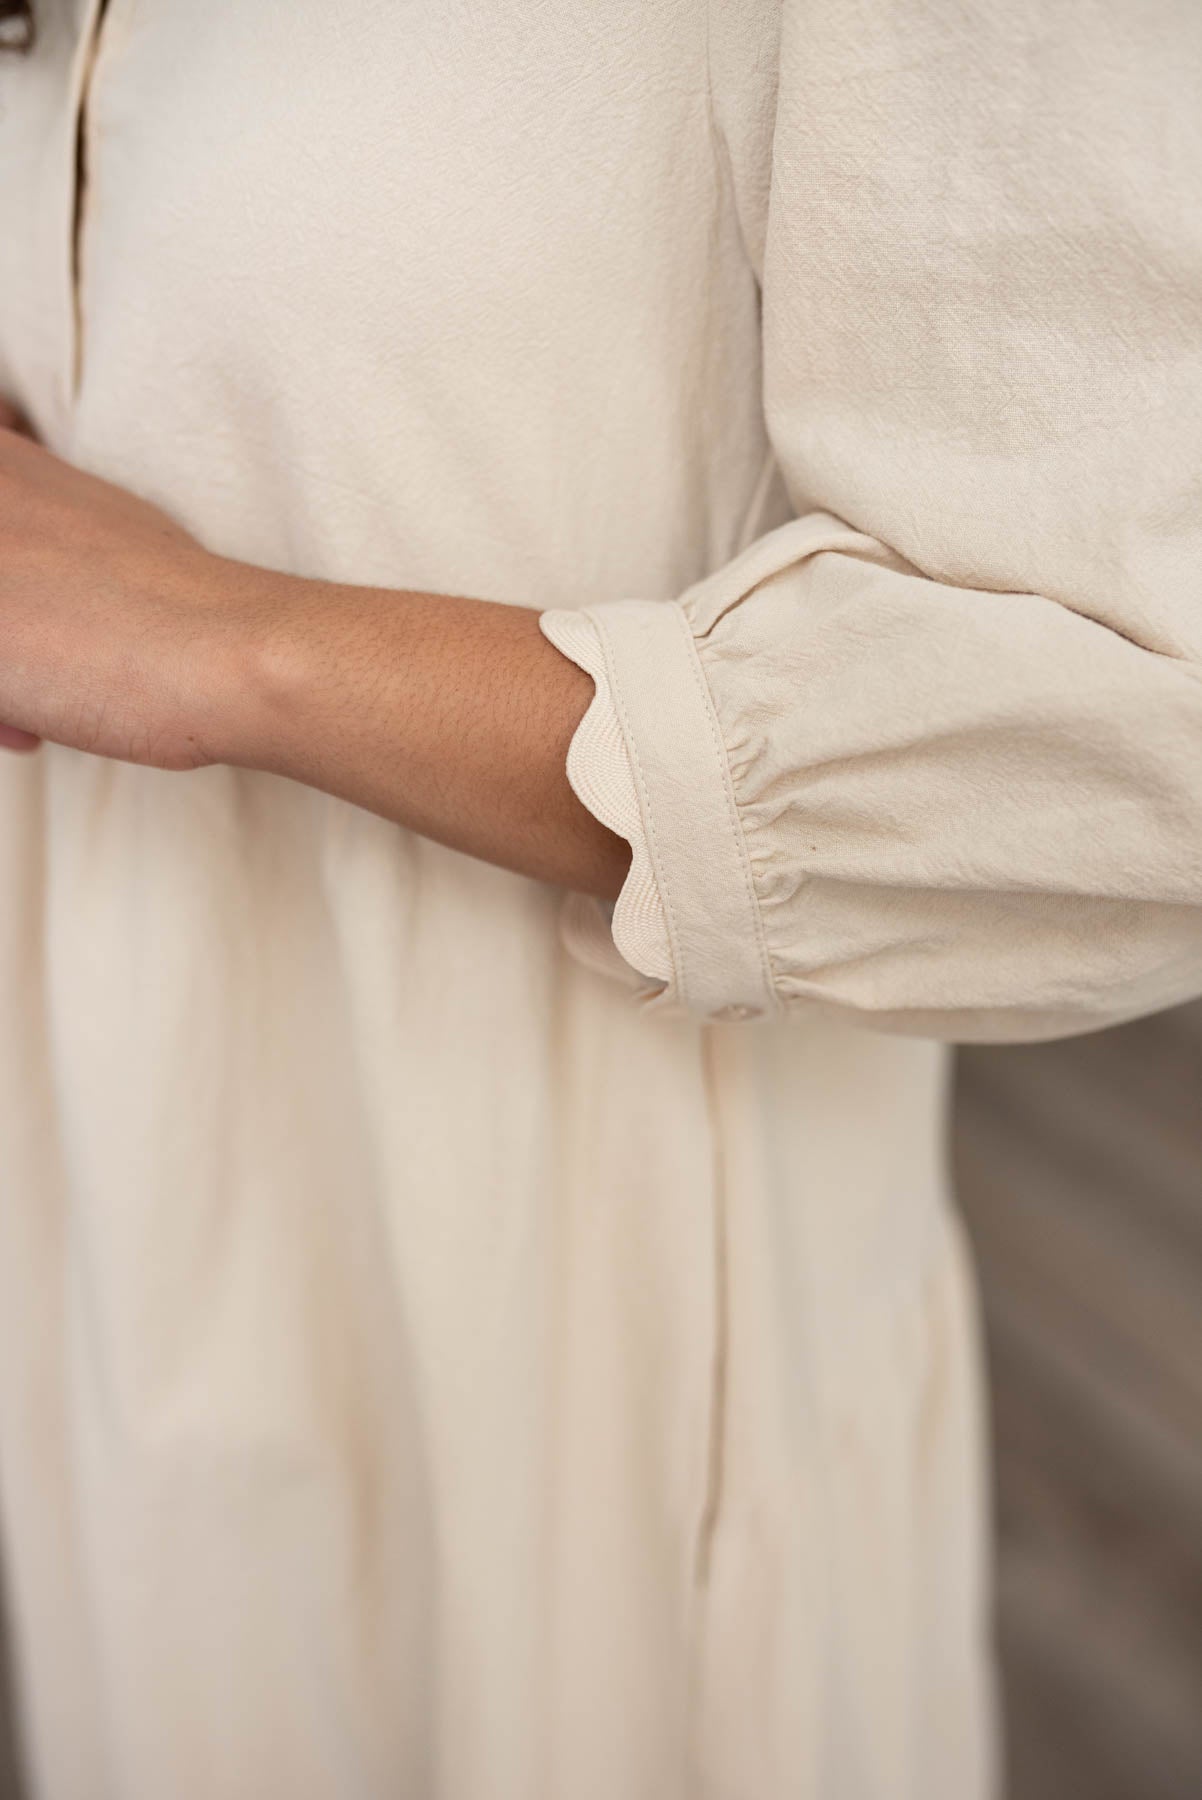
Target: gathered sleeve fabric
{"x":930,"y":754}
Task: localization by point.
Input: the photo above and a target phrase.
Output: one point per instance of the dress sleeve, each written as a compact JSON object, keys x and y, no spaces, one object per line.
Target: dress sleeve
{"x":930,"y":755}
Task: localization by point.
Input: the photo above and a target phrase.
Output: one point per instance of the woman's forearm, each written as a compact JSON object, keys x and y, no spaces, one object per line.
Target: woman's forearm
{"x":450,"y":716}
{"x":122,"y":637}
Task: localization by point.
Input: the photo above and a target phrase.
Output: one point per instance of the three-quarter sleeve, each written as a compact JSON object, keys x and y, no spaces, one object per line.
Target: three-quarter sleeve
{"x":931,"y":754}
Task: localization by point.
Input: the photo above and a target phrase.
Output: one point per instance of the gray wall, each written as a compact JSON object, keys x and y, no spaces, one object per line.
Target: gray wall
{"x":1080,"y":1170}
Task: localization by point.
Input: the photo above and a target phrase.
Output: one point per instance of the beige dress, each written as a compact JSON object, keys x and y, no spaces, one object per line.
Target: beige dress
{"x":453,"y":1345}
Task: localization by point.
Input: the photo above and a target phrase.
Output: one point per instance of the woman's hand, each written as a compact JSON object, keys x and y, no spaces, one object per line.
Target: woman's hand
{"x":119,"y":634}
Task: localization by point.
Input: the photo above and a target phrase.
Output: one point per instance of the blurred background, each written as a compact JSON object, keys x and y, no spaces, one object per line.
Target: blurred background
{"x":1080,"y":1170}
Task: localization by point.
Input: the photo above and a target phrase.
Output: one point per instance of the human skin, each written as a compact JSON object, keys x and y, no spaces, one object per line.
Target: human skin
{"x":121,"y":636}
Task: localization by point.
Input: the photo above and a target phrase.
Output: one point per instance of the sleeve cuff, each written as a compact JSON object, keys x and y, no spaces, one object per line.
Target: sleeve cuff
{"x":688,"y":905}
{"x":629,"y":936}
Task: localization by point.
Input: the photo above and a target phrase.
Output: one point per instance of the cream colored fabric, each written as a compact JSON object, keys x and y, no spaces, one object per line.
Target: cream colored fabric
{"x":631,"y":936}
{"x":428,"y":1364}
{"x":943,"y":760}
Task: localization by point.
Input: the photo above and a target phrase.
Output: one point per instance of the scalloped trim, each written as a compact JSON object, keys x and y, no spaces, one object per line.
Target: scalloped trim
{"x":601,"y":776}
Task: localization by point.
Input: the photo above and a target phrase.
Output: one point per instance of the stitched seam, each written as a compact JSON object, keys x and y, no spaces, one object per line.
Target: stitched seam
{"x":644,"y":793}
{"x":736,"y":824}
{"x":716,"y":1472}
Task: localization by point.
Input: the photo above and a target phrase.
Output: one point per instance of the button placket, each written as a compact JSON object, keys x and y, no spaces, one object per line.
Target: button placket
{"x":90,"y":37}
{"x":39,"y":97}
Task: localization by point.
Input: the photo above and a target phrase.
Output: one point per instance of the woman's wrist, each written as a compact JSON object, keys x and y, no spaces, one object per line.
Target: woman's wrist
{"x":263,"y":666}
